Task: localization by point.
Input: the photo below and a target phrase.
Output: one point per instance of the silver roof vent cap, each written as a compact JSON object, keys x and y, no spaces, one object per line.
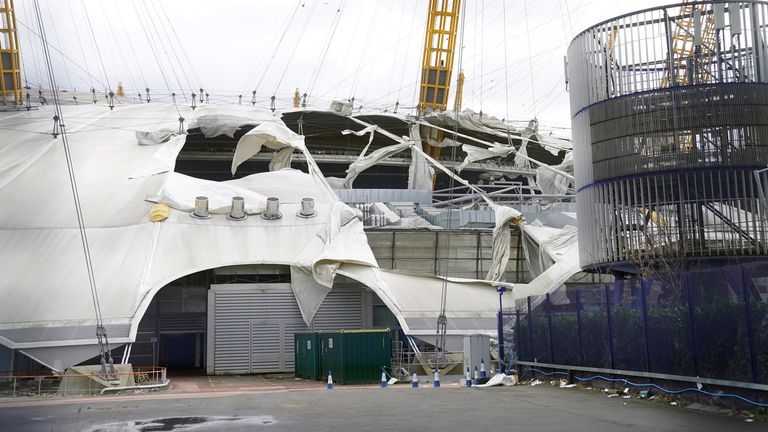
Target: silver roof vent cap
{"x":273,"y":209}
{"x":237,"y":212}
{"x":201,"y":208}
{"x":307,"y":208}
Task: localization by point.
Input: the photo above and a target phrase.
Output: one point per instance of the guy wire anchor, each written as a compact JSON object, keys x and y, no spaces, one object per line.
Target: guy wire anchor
{"x":107,"y":364}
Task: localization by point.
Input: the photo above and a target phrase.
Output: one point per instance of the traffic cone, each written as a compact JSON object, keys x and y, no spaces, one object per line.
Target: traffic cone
{"x":330,"y":381}
{"x":482,"y":369}
{"x":383,"y":383}
{"x":415,"y":381}
{"x":436,"y":381}
{"x":477,"y":375}
{"x":468,"y":382}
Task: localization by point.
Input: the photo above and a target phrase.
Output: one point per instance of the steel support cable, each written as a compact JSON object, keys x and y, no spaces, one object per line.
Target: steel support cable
{"x":365,"y":46}
{"x":376,"y":58}
{"x":70,"y":169}
{"x":351,"y":74}
{"x":96,"y":45}
{"x":296,"y":45}
{"x":133,"y":53}
{"x":397,"y":47}
{"x":117,"y":45}
{"x":410,"y":36}
{"x":80,"y":43}
{"x":35,"y":55}
{"x":181,"y":46}
{"x":530,"y":58}
{"x":58,"y":41}
{"x":60,"y":52}
{"x":157,"y":59}
{"x":162,"y":47}
{"x":329,"y":42}
{"x":287,"y":24}
{"x":442,"y":319}
{"x":173,"y":50}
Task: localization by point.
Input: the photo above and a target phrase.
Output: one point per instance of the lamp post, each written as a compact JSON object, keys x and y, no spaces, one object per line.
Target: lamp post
{"x":501,"y":290}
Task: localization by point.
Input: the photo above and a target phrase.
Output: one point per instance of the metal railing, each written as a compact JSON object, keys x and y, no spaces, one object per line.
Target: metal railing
{"x":47,"y":384}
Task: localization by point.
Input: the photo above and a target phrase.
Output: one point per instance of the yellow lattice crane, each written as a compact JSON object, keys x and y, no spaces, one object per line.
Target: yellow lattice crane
{"x":10,"y":64}
{"x":437,"y":64}
{"x":693,"y":39}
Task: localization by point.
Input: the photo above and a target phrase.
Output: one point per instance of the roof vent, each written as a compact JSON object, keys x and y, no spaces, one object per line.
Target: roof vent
{"x":307,"y":208}
{"x":237,"y":213}
{"x":201,"y":208}
{"x":273,"y":209}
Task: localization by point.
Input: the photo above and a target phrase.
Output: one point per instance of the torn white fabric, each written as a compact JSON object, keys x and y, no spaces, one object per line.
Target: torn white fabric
{"x":342,"y":107}
{"x":555,"y":181}
{"x":308,"y":292}
{"x":505,"y":216}
{"x":420,"y":174}
{"x":215,"y":120}
{"x":277,"y":136}
{"x":475,"y":154}
{"x":154,"y":137}
{"x":282,"y":159}
{"x":369,"y":129}
{"x":180,"y":192}
{"x":164,"y":159}
{"x":365,"y":162}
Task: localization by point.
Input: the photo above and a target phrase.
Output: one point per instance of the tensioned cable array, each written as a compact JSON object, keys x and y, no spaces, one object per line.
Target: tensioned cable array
{"x":59,"y":120}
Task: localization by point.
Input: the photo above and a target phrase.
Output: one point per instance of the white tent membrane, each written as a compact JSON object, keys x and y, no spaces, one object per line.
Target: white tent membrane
{"x":48,"y":312}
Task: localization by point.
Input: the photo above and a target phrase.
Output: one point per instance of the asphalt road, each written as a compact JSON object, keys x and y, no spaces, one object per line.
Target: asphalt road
{"x":522,"y":408}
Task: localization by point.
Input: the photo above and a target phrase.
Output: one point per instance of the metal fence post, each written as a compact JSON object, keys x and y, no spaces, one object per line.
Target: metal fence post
{"x":750,"y":328}
{"x":691,"y":330}
{"x":517,"y":333}
{"x":577,"y":298}
{"x":609,"y":324}
{"x":644,"y":300}
{"x":530,"y":332}
{"x":549,"y":330}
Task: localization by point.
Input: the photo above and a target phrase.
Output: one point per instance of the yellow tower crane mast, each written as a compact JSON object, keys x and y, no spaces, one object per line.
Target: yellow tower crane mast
{"x":437,"y":64}
{"x":10,"y":64}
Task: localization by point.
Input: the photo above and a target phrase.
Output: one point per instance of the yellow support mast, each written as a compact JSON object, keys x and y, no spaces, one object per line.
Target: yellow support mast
{"x":10,"y":64}
{"x":437,"y":64}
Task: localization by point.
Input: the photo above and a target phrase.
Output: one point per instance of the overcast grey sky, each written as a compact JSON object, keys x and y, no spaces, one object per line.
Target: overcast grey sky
{"x":233,"y":47}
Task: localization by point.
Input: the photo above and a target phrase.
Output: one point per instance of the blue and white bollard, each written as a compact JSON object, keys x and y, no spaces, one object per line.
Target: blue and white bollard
{"x":415,"y":381}
{"x":468,"y":381}
{"x":330,"y":381}
{"x":383,"y":383}
{"x":477,"y":376}
{"x":436,"y":381}
{"x":482,"y":369}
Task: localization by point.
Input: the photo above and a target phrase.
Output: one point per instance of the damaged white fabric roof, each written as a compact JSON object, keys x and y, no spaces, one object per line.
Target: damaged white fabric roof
{"x":47,"y":310}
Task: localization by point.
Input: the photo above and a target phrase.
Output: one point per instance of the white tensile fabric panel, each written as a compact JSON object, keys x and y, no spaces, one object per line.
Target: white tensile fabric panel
{"x":164,"y":159}
{"x":180,"y":191}
{"x":45,"y":282}
{"x":471,"y":305}
{"x":475,"y":154}
{"x":504,"y":217}
{"x":419,"y":172}
{"x":134,"y":258}
{"x":553,"y":181}
{"x":215,"y":120}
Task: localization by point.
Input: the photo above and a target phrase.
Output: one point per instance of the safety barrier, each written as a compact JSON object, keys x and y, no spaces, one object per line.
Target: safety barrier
{"x":53,"y":384}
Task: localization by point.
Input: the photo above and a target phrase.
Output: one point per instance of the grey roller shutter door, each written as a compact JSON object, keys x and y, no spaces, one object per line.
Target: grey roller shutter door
{"x":251,"y":326}
{"x":341,"y":309}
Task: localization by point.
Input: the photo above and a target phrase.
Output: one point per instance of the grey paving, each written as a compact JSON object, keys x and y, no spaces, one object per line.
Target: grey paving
{"x":521,"y":408}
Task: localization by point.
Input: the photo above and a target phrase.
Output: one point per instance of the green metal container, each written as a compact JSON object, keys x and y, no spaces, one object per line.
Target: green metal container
{"x":355,"y":356}
{"x":307,"y":355}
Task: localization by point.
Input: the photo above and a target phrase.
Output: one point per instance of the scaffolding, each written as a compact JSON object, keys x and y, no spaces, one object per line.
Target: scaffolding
{"x":10,"y":64}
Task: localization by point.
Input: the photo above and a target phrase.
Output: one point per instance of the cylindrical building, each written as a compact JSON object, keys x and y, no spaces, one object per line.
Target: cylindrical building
{"x":670,"y":129}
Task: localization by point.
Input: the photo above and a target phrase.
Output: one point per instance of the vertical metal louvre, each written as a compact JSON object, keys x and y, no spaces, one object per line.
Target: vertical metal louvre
{"x":251,"y":326}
